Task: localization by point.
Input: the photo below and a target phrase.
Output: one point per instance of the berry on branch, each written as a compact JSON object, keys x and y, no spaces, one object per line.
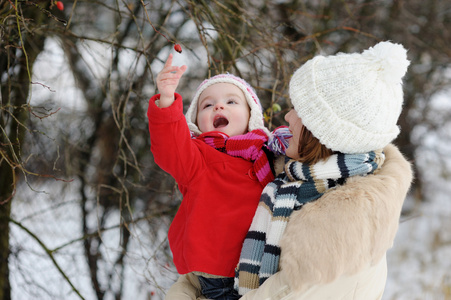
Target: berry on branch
{"x":60,"y":5}
{"x":178,"y":48}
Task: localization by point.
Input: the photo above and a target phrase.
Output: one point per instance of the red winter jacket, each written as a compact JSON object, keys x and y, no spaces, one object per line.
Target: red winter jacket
{"x":220,"y":194}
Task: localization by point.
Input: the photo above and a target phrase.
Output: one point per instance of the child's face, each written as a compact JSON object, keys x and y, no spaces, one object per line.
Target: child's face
{"x":223,"y":107}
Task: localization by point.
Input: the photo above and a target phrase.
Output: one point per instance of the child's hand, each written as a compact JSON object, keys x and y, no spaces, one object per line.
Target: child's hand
{"x":168,"y":80}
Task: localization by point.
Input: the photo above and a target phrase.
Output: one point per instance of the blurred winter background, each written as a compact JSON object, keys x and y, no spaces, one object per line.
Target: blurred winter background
{"x":87,"y":208}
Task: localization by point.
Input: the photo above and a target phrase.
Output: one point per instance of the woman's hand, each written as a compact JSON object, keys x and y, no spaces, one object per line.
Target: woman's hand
{"x":168,"y":80}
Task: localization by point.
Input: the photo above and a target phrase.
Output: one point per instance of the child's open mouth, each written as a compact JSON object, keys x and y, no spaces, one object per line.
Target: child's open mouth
{"x":220,"y":121}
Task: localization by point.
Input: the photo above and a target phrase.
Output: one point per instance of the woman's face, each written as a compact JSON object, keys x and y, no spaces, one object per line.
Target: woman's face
{"x":295,"y":126}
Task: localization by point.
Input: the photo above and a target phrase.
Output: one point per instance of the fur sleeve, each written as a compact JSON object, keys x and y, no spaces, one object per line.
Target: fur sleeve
{"x":348,"y":228}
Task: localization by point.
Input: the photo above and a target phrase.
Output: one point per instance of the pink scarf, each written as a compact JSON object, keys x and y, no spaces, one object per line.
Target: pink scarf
{"x":250,"y":146}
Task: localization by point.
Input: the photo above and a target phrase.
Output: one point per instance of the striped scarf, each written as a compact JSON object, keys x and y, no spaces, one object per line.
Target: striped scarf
{"x":296,"y":186}
{"x":251,"y":146}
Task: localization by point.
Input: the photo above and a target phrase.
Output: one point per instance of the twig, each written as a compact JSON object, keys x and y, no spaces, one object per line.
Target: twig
{"x":49,"y":253}
{"x":156,"y":30}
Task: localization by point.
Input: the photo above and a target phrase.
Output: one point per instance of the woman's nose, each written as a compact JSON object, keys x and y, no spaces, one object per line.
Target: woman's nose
{"x":286,"y":115}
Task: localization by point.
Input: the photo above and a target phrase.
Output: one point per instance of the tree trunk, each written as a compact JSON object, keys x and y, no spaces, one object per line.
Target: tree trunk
{"x":14,"y":95}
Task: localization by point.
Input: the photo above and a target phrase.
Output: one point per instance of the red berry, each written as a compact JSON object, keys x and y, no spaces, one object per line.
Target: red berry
{"x":178,"y":48}
{"x":60,"y":5}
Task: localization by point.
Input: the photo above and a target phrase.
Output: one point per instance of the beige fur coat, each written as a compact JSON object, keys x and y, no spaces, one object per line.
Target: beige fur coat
{"x":336,"y":244}
{"x":347,"y":229}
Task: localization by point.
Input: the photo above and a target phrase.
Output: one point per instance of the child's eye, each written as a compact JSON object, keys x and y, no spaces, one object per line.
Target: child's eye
{"x":207,"y":105}
{"x":231,"y":101}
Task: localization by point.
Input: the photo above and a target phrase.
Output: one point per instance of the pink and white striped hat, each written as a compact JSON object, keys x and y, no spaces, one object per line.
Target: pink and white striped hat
{"x":256,"y":120}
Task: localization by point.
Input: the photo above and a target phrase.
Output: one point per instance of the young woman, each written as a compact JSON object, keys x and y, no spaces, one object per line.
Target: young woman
{"x":334,"y":211}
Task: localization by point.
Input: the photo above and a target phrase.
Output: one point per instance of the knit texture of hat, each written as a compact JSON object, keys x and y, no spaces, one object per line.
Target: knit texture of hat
{"x":352,"y":102}
{"x":256,"y":112}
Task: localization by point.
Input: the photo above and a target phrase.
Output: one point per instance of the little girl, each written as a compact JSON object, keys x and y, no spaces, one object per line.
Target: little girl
{"x":220,"y":158}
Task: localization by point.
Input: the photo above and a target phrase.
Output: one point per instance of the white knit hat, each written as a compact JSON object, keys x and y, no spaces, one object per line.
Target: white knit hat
{"x":352,"y":102}
{"x":256,"y":112}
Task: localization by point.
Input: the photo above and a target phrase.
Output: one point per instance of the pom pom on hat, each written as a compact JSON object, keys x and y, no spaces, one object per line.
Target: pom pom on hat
{"x":352,"y":102}
{"x":256,"y":120}
{"x":391,"y":58}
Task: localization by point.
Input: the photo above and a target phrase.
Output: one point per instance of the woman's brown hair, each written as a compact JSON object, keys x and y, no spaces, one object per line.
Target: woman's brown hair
{"x":310,"y":149}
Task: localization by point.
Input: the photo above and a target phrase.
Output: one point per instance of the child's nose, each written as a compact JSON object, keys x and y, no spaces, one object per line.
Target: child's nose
{"x":219,"y":106}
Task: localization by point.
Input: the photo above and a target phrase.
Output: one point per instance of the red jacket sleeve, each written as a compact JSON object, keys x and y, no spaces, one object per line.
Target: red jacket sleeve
{"x":170,"y":141}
